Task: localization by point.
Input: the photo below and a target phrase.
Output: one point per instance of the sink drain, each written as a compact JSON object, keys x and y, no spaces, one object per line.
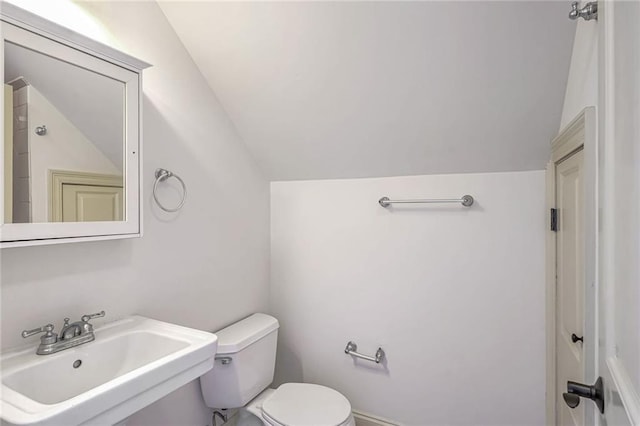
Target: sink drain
{"x":77,"y":363}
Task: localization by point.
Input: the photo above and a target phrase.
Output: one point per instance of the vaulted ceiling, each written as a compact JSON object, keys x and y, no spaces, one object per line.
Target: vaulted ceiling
{"x":361,"y":89}
{"x":91,"y":102}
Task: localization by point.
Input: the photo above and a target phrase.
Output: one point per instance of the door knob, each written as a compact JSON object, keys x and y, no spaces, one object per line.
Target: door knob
{"x":575,"y":338}
{"x":576,"y":390}
{"x":572,"y":400}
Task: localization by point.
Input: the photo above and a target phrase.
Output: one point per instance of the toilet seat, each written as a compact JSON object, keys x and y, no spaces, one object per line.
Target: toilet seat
{"x":305,"y":404}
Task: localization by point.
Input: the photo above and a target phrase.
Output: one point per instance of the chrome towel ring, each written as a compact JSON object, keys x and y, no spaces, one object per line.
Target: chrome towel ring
{"x":161,"y":176}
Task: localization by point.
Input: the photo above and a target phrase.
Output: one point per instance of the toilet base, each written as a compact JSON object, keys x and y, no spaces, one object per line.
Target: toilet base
{"x":244,"y":418}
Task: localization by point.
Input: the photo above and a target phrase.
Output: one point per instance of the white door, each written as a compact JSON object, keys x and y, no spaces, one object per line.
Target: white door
{"x":619,"y":199}
{"x":569,"y":283}
{"x":85,"y":197}
{"x":90,"y":203}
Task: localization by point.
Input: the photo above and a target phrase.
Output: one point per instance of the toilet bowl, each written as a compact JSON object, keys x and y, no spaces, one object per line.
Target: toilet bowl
{"x":244,"y":369}
{"x":302,"y":404}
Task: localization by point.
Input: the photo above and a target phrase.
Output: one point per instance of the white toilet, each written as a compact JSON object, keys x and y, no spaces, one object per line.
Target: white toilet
{"x":243,"y":371}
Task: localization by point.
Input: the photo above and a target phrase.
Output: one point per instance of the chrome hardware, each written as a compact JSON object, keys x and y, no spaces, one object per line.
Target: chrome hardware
{"x":575,"y":338}
{"x":161,"y":176}
{"x":87,"y":317}
{"x":352,"y":348}
{"x":69,"y":331}
{"x":575,"y":391}
{"x":41,"y":130}
{"x":45,"y":328}
{"x":49,"y":336}
{"x":466,"y":200}
{"x":224,"y":360}
{"x":588,"y":12}
{"x":71,"y":335}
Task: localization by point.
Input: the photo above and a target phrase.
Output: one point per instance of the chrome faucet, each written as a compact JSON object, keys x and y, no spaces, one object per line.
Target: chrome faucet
{"x":71,"y":335}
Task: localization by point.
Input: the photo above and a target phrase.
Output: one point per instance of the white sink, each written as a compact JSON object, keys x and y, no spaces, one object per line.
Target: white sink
{"x":131,"y":364}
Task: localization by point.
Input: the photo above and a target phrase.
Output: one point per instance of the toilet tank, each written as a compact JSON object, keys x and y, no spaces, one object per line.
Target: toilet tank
{"x":245,"y":362}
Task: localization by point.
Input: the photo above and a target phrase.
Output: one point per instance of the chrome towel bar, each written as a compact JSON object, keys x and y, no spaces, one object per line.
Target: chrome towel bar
{"x":466,"y":200}
{"x":352,"y":348}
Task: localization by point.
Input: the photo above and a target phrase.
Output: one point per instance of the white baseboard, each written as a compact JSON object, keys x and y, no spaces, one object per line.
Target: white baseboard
{"x":364,"y":419}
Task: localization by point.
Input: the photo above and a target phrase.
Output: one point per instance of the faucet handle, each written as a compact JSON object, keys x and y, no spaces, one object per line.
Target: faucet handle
{"x":44,"y":329}
{"x":86,"y":318}
{"x":47,"y":329}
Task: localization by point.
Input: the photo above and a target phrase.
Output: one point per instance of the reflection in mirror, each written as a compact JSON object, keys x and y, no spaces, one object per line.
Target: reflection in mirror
{"x":64,"y":141}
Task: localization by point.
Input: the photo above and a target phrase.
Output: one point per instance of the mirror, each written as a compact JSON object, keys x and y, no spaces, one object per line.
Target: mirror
{"x":71,"y":135}
{"x":65,"y":132}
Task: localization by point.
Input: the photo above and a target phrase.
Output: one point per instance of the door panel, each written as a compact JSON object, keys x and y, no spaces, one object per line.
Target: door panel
{"x":89,"y":203}
{"x":569,"y":282}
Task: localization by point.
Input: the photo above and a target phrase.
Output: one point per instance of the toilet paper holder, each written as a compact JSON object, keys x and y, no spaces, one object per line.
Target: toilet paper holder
{"x":352,"y":348}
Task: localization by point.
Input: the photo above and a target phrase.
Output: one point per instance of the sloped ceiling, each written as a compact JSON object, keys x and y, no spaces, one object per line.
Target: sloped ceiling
{"x":92,"y":102}
{"x":362,"y":89}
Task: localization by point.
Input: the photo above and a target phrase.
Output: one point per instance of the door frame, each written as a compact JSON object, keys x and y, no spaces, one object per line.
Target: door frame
{"x":619,"y":388}
{"x":7,"y":183}
{"x":581,"y":132}
{"x":58,"y":178}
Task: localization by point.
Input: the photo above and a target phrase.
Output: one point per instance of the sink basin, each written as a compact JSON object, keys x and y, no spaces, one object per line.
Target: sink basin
{"x":131,"y":364}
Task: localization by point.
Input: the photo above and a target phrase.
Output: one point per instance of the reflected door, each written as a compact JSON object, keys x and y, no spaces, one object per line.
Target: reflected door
{"x":85,"y":197}
{"x":87,"y":203}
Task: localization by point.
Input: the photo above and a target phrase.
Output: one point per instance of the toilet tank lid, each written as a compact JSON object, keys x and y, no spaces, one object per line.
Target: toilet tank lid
{"x":241,"y":334}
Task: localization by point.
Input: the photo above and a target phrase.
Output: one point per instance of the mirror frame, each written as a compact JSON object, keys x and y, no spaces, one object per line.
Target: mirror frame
{"x":36,"y":33}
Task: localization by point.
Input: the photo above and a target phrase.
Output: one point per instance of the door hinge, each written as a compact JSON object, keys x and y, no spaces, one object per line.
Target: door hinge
{"x":554,"y":220}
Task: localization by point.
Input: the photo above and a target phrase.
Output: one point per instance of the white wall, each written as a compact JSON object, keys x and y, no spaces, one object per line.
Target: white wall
{"x":455,"y":296}
{"x":582,"y":84}
{"x":204,"y":267}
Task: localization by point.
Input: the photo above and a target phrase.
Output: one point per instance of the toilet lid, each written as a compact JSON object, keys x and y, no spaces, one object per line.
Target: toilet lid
{"x":304,"y":404}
